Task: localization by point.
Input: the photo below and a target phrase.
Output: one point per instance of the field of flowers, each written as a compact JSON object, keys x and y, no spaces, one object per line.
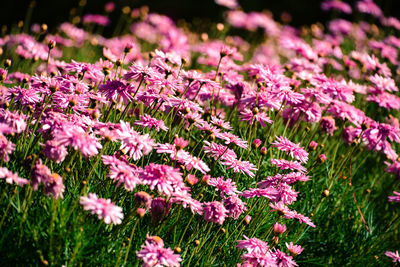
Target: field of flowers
{"x":253,"y":143}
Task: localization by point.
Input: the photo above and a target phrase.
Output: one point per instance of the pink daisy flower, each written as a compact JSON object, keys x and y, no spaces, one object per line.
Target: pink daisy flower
{"x":12,"y":178}
{"x":153,"y":253}
{"x":295,"y":150}
{"x":132,"y":143}
{"x":214,"y":212}
{"x":234,"y":206}
{"x":240,"y":166}
{"x":165,"y":179}
{"x":260,"y":117}
{"x":77,"y":138}
{"x":103,"y":208}
{"x":394,"y":255}
{"x":288,"y":165}
{"x":294,"y":249}
{"x":122,"y":172}
{"x":226,"y":187}
{"x":149,"y":122}
{"x":395,"y":198}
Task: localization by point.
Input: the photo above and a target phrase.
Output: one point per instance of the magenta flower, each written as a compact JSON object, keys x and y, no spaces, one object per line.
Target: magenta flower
{"x":149,"y":122}
{"x":103,"y":208}
{"x":253,"y":245}
{"x":260,"y":117}
{"x":395,"y":198}
{"x":295,"y":150}
{"x":234,"y":206}
{"x":113,"y":90}
{"x":153,"y":253}
{"x":394,"y":255}
{"x":214,"y":212}
{"x":226,"y":187}
{"x":77,"y":138}
{"x":288,"y":165}
{"x":165,"y":179}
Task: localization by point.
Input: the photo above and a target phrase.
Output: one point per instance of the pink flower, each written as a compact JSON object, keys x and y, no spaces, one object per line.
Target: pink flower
{"x":6,"y":148}
{"x":395,"y":198}
{"x":322,"y":158}
{"x":240,"y":166}
{"x":218,"y":151}
{"x":295,"y":150}
{"x":234,"y":206}
{"x":226,"y":187}
{"x":180,"y":143}
{"x":328,"y":125}
{"x":294,"y":249}
{"x":12,"y":178}
{"x":54,"y":151}
{"x":282,"y":259}
{"x":77,"y":138}
{"x":153,"y":253}
{"x":113,"y":90}
{"x":214,"y":212}
{"x":147,"y":121}
{"x":338,"y":5}
{"x":133,"y":143}
{"x":162,"y":177}
{"x":54,"y":186}
{"x":369,"y":7}
{"x":232,"y":4}
{"x":269,"y":193}
{"x":313,"y":145}
{"x":253,"y":245}
{"x":394,"y":255}
{"x":123,"y":172}
{"x":103,"y":208}
{"x":260,"y":117}
{"x":288,"y":165}
{"x":96,"y":19}
{"x":279,"y":229}
{"x":221,"y":123}
{"x":185,"y":199}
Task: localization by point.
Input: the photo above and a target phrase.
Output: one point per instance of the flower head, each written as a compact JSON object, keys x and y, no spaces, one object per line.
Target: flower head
{"x":103,"y":208}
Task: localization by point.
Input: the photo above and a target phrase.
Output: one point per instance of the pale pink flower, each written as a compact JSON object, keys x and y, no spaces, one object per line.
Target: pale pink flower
{"x":103,"y":208}
{"x":12,"y":178}
{"x":132,"y":143}
{"x":294,"y":249}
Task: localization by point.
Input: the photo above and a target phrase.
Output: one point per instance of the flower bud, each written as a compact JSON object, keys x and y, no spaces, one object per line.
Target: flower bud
{"x":51,"y":44}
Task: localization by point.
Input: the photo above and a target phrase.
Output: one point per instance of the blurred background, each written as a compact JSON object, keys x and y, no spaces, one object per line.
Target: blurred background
{"x":54,"y":12}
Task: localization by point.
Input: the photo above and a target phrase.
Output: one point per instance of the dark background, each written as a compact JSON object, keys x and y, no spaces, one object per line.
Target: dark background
{"x":53,"y":12}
